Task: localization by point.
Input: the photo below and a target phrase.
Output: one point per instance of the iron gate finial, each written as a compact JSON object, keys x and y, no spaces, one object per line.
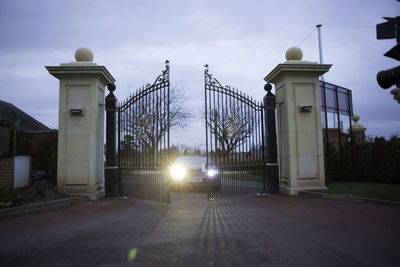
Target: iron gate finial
{"x":111,"y":87}
{"x":268,"y":87}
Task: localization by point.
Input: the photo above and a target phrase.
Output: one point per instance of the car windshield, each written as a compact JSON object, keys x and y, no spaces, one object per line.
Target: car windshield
{"x":192,"y":161}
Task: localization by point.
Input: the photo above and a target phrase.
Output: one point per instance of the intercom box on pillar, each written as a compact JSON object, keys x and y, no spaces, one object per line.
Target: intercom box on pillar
{"x":80,"y":162}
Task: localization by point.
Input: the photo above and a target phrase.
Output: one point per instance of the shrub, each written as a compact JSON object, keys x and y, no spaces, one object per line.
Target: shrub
{"x":40,"y":187}
{"x":5,"y":194}
{"x":46,"y":157}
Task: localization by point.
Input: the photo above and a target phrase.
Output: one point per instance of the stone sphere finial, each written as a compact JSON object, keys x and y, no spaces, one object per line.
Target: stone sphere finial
{"x":355,"y":118}
{"x":294,"y":53}
{"x":356,"y":127}
{"x":83,"y":54}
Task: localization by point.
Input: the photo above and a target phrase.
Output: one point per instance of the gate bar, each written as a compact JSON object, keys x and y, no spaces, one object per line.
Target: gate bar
{"x":111,"y":171}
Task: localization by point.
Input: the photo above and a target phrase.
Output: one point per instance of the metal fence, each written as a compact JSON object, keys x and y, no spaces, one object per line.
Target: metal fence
{"x":337,"y":110}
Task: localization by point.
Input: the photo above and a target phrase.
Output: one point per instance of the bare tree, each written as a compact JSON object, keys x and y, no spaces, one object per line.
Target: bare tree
{"x":152,"y":115}
{"x":229,"y":126}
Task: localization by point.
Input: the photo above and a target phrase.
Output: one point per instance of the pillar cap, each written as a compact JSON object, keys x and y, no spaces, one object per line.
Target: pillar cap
{"x":83,"y":57}
{"x":76,"y":70}
{"x":295,"y":66}
{"x":83,"y":66}
{"x":298,"y":69}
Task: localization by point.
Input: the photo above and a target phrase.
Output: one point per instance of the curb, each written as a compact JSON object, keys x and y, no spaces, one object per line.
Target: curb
{"x":42,"y":206}
{"x":349,"y":198}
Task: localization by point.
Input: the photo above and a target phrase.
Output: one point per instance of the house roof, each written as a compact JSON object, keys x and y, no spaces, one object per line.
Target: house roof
{"x":11,"y":113}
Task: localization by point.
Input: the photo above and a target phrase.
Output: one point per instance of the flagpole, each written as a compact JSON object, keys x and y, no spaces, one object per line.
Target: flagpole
{"x":321,"y":60}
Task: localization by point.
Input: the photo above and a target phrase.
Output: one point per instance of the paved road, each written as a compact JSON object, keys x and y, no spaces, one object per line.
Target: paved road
{"x":241,"y":231}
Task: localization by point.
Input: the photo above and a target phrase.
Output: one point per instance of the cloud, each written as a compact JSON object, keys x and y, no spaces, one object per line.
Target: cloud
{"x":242,"y":41}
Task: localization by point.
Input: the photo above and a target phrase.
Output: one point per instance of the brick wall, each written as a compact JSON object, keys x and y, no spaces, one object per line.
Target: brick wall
{"x":333,"y":138}
{"x":6,"y":171}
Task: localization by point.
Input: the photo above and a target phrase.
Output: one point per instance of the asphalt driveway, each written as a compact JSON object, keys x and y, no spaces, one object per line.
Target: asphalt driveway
{"x":239,"y":231}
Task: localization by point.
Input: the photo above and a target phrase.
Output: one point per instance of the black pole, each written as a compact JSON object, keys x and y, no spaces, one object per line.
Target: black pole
{"x":339,"y":128}
{"x":263,"y":148}
{"x":326,"y":155}
{"x":111,"y":169}
{"x":272,"y":168}
{"x":206,"y":110}
{"x":349,"y":100}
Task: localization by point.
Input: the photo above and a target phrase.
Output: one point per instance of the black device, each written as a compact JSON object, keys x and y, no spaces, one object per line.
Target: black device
{"x":389,"y":30}
{"x":387,"y":78}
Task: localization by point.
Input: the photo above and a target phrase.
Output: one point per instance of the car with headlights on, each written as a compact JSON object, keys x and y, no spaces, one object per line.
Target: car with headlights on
{"x":194,"y":172}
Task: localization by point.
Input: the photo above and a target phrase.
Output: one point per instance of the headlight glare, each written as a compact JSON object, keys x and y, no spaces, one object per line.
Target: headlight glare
{"x":177,"y":171}
{"x":212,"y":172}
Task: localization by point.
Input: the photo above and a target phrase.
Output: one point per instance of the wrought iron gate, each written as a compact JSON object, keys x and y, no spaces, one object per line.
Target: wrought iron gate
{"x":143,"y":141}
{"x":234,"y":139}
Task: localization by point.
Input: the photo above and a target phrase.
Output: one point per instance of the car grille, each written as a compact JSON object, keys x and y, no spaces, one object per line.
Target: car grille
{"x":195,"y":173}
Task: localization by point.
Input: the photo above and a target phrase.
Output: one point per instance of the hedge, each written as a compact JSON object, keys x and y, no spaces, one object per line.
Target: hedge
{"x":375,"y":160}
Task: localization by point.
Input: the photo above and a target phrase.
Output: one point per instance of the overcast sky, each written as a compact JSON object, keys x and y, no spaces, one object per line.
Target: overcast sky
{"x":242,"y":41}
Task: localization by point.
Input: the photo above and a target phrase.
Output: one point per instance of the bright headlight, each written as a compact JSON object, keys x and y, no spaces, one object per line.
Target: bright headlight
{"x":177,"y":171}
{"x":212,"y":172}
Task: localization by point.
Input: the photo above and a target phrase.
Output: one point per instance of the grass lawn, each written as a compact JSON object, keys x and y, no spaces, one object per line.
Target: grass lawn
{"x":368,"y":190}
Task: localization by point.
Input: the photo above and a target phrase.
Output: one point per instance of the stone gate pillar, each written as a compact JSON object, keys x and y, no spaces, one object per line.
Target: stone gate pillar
{"x":80,"y":162}
{"x":300,"y":143}
{"x":357,"y":130}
